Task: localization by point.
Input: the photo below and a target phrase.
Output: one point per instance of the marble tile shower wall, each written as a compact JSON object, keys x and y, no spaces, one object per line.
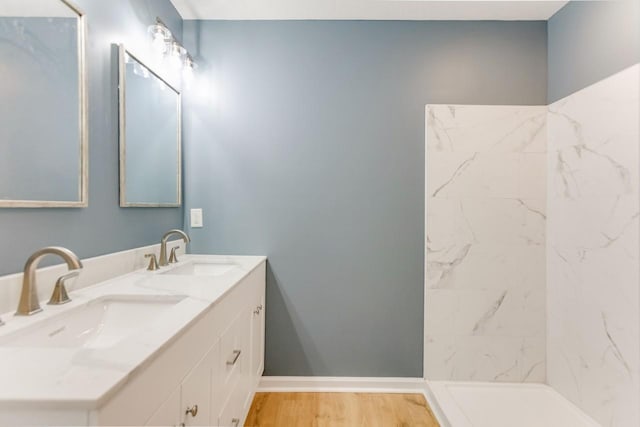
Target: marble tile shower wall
{"x":486,"y":194}
{"x":593,"y":248}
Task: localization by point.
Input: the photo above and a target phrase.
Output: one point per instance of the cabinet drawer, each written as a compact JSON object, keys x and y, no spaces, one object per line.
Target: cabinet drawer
{"x":231,"y":413}
{"x":234,"y":357}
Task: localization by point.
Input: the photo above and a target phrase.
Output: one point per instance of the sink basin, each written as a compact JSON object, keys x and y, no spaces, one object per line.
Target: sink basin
{"x":100,"y":323}
{"x":203,"y":269}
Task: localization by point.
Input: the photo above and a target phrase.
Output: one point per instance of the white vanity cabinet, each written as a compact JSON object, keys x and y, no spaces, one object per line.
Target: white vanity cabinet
{"x":207,"y":375}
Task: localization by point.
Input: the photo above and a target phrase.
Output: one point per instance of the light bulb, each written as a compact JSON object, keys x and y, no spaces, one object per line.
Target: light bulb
{"x":160,"y":34}
{"x":188,"y":68}
{"x":174,"y":61}
{"x":158,"y":43}
{"x":187,"y":73}
{"x":175,"y":55}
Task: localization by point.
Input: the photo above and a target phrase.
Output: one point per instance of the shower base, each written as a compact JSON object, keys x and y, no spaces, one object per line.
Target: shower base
{"x":477,"y":404}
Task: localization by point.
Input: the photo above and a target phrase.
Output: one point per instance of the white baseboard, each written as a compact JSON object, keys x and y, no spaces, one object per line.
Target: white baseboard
{"x":342,"y":384}
{"x":435,"y":406}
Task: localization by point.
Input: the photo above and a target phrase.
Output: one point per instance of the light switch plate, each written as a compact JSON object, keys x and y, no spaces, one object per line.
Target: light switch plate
{"x":196,"y":218}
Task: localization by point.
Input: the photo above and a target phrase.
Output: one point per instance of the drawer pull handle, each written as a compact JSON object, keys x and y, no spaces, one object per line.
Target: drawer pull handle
{"x":256,"y":311}
{"x":234,"y":359}
{"x":193,"y":411}
{"x":235,"y":422}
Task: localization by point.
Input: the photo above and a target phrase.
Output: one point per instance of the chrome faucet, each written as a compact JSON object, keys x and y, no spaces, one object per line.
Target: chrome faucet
{"x":29,"y":297}
{"x":163,"y":245}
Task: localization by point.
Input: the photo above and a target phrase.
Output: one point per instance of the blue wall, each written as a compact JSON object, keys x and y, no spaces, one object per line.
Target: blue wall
{"x":589,"y":41}
{"x":103,"y":227}
{"x":305,"y":142}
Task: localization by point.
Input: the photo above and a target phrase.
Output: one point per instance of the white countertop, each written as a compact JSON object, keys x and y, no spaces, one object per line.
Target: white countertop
{"x":84,"y":378}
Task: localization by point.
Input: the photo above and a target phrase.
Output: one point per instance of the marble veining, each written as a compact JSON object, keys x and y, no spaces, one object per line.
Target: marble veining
{"x":485,"y":243}
{"x":593,"y":249}
{"x":489,"y":314}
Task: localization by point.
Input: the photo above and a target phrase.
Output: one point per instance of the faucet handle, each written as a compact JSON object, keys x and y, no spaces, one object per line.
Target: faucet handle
{"x":153,"y":262}
{"x":59,"y":295}
{"x":173,"y":257}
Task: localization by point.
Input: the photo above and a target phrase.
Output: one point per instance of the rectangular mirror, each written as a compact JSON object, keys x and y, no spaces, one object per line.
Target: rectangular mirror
{"x":150,"y":137}
{"x":43,"y":105}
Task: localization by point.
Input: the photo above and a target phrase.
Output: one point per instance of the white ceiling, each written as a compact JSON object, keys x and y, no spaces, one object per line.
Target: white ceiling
{"x":411,"y":10}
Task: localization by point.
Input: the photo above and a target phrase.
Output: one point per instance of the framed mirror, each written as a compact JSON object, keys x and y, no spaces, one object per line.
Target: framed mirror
{"x":150,"y":137}
{"x":43,"y":105}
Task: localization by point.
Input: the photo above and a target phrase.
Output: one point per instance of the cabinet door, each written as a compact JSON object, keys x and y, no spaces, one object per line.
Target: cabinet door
{"x":169,"y":413}
{"x":195,"y":396}
{"x":257,"y":337}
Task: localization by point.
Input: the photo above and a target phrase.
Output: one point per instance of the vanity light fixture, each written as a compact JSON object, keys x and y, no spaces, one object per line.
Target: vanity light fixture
{"x":166,"y":44}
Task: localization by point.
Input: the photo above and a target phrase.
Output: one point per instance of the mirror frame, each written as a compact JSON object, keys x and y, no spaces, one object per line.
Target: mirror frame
{"x":83,"y":186}
{"x":122,"y":52}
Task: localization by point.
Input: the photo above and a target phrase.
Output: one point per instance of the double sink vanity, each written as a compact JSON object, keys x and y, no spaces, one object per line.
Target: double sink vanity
{"x":180,"y":342}
{"x":180,"y":345}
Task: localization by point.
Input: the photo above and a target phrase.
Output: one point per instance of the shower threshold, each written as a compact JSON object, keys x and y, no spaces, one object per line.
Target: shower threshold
{"x":479,"y":404}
